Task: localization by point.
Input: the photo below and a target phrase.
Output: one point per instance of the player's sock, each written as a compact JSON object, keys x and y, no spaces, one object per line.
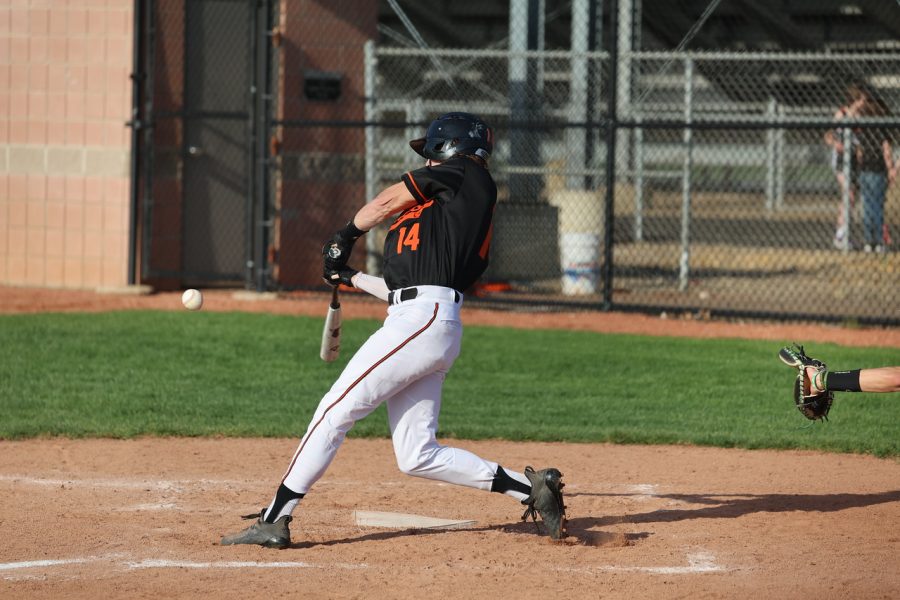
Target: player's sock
{"x":284,"y":503}
{"x":512,"y":484}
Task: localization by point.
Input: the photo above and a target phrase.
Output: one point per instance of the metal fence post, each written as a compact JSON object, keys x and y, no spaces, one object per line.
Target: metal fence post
{"x":611,"y":134}
{"x":638,"y":183}
{"x":373,"y":265}
{"x":770,"y":158}
{"x":780,"y":158}
{"x":578,"y":94}
{"x":684,"y":266}
{"x":149,"y":132}
{"x":137,"y":78}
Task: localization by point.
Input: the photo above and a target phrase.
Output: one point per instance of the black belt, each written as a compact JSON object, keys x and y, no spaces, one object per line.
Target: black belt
{"x":410,"y":293}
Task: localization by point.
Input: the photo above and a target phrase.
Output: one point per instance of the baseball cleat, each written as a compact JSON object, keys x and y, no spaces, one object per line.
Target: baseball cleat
{"x":546,"y":499}
{"x":270,"y":535}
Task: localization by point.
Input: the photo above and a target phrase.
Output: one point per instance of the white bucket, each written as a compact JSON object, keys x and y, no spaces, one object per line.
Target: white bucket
{"x":579,"y":254}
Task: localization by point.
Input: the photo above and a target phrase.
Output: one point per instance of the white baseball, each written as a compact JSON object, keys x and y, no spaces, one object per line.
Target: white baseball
{"x":192,"y":299}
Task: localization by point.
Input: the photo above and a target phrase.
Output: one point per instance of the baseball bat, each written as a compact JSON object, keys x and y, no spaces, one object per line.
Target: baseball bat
{"x":331,"y":334}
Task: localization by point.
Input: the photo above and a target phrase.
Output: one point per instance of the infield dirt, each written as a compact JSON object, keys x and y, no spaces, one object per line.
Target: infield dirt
{"x":141,"y":518}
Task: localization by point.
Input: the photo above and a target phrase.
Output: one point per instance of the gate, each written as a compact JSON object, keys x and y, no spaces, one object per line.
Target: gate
{"x":203,"y":91}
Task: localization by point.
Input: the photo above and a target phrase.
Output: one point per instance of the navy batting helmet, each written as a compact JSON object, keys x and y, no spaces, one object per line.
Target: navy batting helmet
{"x":455,"y":133}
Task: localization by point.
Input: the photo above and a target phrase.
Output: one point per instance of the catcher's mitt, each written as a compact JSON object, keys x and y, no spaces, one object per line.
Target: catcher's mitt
{"x":811,"y":402}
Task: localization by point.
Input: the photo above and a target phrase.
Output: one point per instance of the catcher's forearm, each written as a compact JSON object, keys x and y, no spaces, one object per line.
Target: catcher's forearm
{"x":885,"y":379}
{"x":373,"y":285}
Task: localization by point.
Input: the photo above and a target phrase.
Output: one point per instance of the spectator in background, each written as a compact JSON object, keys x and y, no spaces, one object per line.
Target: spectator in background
{"x":834,"y":138}
{"x":876,"y":171}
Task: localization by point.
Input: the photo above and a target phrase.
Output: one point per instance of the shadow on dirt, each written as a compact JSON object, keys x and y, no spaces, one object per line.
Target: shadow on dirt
{"x":578,"y":534}
{"x":730,"y":506}
{"x":584,"y":530}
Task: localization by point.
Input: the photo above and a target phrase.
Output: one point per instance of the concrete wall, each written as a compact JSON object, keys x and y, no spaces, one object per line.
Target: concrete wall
{"x":65,"y":95}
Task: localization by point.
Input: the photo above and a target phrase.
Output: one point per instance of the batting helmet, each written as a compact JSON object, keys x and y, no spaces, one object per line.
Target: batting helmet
{"x":455,"y":133}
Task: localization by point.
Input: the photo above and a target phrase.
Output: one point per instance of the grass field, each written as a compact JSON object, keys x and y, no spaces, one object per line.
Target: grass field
{"x":124,"y":374}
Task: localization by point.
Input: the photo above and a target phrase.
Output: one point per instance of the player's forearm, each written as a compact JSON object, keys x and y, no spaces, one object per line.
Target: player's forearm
{"x":372,"y":285}
{"x":885,"y":379}
{"x":389,"y":202}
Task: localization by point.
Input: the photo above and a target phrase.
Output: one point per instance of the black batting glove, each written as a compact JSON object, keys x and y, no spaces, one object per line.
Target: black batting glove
{"x":335,"y":277}
{"x":336,"y":251}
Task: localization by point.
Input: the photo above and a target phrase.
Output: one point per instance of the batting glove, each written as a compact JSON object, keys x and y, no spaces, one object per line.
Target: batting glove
{"x":335,"y":277}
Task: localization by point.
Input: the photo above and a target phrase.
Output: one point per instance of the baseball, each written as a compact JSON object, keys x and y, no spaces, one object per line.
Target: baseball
{"x":192,"y":299}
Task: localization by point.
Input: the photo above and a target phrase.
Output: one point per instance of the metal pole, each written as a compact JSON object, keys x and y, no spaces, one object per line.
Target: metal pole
{"x":780,"y":157}
{"x":524,"y":98}
{"x":684,"y":266}
{"x":135,"y":124}
{"x":373,"y":265}
{"x":578,"y":94}
{"x":253,"y":135}
{"x":770,"y":158}
{"x":638,"y":183}
{"x":149,"y":66}
{"x":263,"y":129}
{"x":611,"y":133}
{"x":625,"y":43}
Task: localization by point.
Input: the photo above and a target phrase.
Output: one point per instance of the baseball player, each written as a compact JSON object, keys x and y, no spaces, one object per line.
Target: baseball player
{"x":437,"y":247}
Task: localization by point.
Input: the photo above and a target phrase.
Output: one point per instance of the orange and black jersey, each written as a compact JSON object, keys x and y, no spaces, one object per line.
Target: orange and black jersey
{"x":445,"y":239}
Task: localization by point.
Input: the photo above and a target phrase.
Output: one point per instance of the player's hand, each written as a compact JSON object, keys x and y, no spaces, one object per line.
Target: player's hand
{"x":812,"y":374}
{"x":335,"y":277}
{"x":336,"y":251}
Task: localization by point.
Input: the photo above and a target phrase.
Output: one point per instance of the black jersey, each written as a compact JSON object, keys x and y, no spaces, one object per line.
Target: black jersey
{"x":445,"y":239}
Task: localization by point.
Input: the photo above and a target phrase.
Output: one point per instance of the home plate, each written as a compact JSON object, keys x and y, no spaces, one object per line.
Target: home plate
{"x":368,"y":518}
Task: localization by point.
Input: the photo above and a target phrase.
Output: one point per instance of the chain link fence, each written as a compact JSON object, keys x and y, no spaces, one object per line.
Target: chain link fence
{"x":698,"y":182}
{"x":726,"y":197}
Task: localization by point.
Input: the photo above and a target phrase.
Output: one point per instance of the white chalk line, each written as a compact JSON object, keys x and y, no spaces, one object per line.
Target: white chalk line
{"x":184,"y":564}
{"x":643,"y":491}
{"x":149,"y":507}
{"x":177,"y":485}
{"x":33,"y":564}
{"x":142,"y":484}
{"x":640,"y":491}
{"x":698,"y":562}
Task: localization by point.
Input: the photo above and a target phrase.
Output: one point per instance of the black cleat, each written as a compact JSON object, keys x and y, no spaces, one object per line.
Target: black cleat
{"x":546,"y":499}
{"x":270,"y":535}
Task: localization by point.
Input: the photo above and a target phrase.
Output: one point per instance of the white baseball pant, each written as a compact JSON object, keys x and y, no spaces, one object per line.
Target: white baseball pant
{"x":403,"y":364}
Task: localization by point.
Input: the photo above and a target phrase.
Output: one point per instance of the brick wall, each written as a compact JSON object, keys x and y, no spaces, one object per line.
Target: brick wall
{"x":65,"y":95}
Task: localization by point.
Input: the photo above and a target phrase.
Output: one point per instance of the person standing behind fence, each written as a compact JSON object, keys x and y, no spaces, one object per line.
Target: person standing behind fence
{"x":834,"y":138}
{"x":876,"y":172}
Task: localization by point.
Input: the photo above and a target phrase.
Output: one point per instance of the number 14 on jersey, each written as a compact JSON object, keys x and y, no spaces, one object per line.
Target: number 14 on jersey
{"x":408,"y":237}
